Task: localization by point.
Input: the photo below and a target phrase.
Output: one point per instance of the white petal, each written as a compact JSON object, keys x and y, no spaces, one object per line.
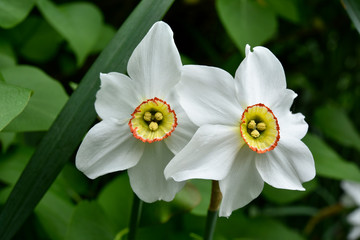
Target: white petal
{"x":108,"y":147}
{"x":352,"y":189}
{"x":354,"y":233}
{"x":183,"y":132}
{"x":116,"y":97}
{"x":207,"y":94}
{"x":242,"y":184}
{"x":354,"y":217}
{"x":291,"y":124}
{"x":155,"y":64}
{"x":208,"y":155}
{"x":288,"y":165}
{"x":147,"y":177}
{"x":259,"y":77}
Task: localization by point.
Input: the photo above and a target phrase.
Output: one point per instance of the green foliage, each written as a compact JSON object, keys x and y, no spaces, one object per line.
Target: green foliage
{"x":247,"y":22}
{"x":48,"y":98}
{"x":13,"y":100}
{"x":47,"y":47}
{"x":80,"y":30}
{"x":14,"y":11}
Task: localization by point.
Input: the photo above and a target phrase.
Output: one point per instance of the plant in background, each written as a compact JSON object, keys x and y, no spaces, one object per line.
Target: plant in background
{"x":352,"y":191}
{"x":247,"y":132}
{"x":142,"y":125}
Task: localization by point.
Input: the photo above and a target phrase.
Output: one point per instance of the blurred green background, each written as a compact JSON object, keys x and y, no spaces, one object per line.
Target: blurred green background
{"x":46,"y":47}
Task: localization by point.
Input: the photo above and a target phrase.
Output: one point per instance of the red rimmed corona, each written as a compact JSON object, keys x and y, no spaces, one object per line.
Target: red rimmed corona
{"x":153,"y":120}
{"x":260,"y":128}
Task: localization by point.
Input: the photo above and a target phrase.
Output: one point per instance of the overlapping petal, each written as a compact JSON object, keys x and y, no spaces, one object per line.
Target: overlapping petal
{"x":155,"y":65}
{"x":147,"y":177}
{"x":108,"y":147}
{"x":117,"y":97}
{"x":354,"y":217}
{"x":209,"y":154}
{"x":288,"y":165}
{"x":242,"y":184}
{"x":208,"y":96}
{"x":259,"y":78}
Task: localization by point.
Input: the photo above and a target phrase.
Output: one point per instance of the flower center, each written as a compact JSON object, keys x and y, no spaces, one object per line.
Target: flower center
{"x":259,"y":128}
{"x":153,"y":120}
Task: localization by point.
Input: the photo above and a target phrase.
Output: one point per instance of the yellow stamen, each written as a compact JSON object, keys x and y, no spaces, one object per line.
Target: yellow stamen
{"x":261,"y":126}
{"x":255,"y":133}
{"x":251,"y":125}
{"x":153,"y":126}
{"x":147,"y":116}
{"x":158,"y":116}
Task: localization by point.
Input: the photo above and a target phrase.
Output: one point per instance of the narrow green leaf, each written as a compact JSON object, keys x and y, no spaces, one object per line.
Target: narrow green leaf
{"x":13,"y":12}
{"x":352,"y":8}
{"x":48,"y":99}
{"x":13,"y":100}
{"x":76,"y":118}
{"x":337,"y":126}
{"x":247,"y":21}
{"x":80,"y":30}
{"x":328,"y":163}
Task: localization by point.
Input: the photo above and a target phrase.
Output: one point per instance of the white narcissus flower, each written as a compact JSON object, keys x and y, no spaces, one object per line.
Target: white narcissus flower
{"x":143,"y":124}
{"x":352,"y":189}
{"x":247,"y":132}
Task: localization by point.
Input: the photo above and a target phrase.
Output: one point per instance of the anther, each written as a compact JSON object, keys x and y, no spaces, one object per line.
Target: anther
{"x":158,"y":116}
{"x":153,"y":126}
{"x":251,"y":125}
{"x":147,"y":116}
{"x":261,"y":126}
{"x":255,"y":133}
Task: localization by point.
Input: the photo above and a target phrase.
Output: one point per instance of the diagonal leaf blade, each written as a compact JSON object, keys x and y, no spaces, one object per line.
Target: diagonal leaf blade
{"x":352,"y":8}
{"x":75,"y":119}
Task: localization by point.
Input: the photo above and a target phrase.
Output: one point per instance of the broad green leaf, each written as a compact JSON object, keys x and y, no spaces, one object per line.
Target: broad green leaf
{"x":352,"y":7}
{"x":89,"y":222}
{"x":283,"y":196}
{"x":12,"y":163}
{"x":338,"y":126}
{"x":6,"y":139}
{"x":328,"y":163}
{"x":286,"y":8}
{"x":79,"y":23}
{"x":62,"y":139}
{"x":42,"y":43}
{"x":7,"y":55}
{"x":247,"y":21}
{"x":105,"y":36}
{"x":13,"y":12}
{"x":116,"y":197}
{"x":240,"y":227}
{"x":13,"y":100}
{"x":54,"y":214}
{"x":45,"y":104}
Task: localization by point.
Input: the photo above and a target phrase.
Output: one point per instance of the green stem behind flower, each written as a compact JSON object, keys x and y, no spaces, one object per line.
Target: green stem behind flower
{"x":211,"y":217}
{"x":135,"y":217}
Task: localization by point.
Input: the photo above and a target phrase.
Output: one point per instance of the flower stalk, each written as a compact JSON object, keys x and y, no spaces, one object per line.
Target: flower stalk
{"x":212,"y":214}
{"x":135,"y":217}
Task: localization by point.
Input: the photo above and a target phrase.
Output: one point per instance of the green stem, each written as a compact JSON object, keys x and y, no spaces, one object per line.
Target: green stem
{"x":212,"y":214}
{"x":135,"y":217}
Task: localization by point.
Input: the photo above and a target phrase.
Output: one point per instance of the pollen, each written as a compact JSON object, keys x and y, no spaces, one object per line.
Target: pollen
{"x":259,"y":128}
{"x":153,"y":120}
